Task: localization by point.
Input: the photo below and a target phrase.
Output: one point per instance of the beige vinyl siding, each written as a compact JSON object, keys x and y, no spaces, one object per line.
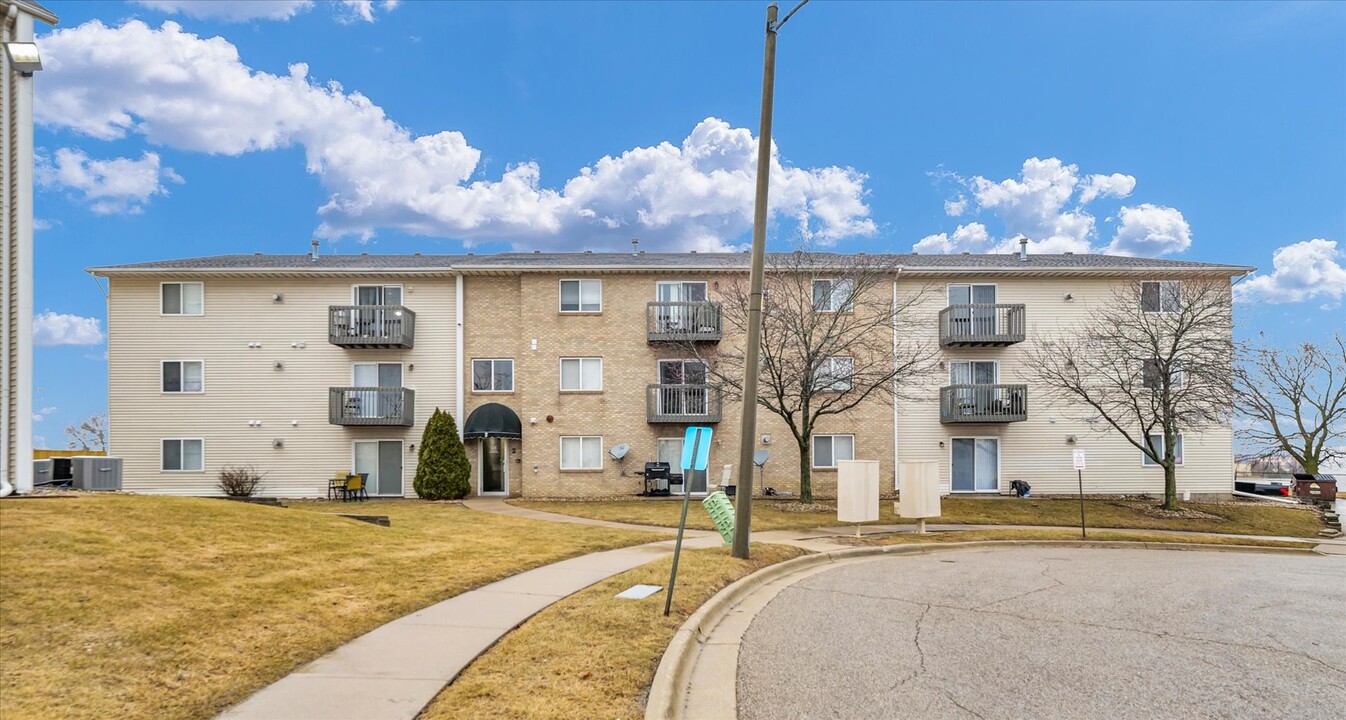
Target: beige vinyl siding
{"x":242,"y":383}
{"x":1036,"y":450}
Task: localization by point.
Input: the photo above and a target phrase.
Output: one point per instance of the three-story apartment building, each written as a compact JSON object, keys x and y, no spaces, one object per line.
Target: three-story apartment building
{"x":303,"y":366}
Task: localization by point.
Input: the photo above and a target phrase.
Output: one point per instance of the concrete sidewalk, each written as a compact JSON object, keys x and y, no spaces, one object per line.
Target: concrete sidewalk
{"x":394,"y":671}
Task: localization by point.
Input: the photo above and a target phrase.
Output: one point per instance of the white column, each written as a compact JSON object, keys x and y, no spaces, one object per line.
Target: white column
{"x":458,"y":355}
{"x":23,"y":179}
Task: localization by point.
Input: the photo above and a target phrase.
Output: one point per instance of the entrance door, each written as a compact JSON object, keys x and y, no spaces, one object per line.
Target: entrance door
{"x":975,"y":465}
{"x":382,"y":461}
{"x":670,"y":451}
{"x":493,"y":465}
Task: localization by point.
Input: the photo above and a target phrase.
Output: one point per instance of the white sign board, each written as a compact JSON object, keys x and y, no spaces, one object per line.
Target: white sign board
{"x":1079,"y":460}
{"x":920,"y":490}
{"x":857,"y":491}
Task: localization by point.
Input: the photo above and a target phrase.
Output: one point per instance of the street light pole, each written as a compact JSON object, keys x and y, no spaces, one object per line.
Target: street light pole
{"x":748,"y":423}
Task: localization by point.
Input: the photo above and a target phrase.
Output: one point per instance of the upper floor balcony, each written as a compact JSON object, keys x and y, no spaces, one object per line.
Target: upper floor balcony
{"x":690,"y":404}
{"x":371,"y":406}
{"x":683,"y":321}
{"x":983,"y":403}
{"x":371,"y":326}
{"x":981,"y":325}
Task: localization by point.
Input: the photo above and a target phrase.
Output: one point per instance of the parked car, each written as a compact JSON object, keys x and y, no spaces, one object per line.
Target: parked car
{"x":1264,"y":486}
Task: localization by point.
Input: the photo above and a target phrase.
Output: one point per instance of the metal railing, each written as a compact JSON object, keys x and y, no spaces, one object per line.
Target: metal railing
{"x":983,"y":403}
{"x":371,"y":326}
{"x":972,"y":325}
{"x":695,"y":321}
{"x":371,"y":406}
{"x":683,"y":403}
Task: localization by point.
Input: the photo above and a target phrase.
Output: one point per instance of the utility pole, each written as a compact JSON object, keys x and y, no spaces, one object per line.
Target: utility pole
{"x":748,"y":424}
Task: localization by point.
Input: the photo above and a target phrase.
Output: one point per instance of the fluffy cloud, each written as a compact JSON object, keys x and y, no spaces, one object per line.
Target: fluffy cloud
{"x":120,"y":185}
{"x":237,"y":11}
{"x":182,"y":91}
{"x":42,"y":414}
{"x":40,"y":442}
{"x":51,"y":328}
{"x":1302,"y":271}
{"x":1045,"y":204}
{"x":1150,"y":230}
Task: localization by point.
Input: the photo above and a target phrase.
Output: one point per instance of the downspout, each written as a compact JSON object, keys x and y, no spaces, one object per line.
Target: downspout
{"x":897,"y":481}
{"x":11,"y":418}
{"x":458,"y":353}
{"x":22,"y":130}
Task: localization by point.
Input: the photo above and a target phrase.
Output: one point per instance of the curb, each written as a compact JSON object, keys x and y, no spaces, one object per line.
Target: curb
{"x":668,"y":690}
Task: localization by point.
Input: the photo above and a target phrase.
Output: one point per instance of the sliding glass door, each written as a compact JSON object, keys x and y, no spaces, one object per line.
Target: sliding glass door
{"x":975,"y":465}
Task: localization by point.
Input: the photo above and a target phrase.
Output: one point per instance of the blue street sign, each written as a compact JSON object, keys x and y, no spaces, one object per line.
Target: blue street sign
{"x":696,"y":448}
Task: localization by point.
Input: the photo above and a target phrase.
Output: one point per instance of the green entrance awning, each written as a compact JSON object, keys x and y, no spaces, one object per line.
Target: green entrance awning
{"x":492,"y":420}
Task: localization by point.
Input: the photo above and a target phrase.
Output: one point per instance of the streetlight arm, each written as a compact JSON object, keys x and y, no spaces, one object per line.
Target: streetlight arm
{"x":788,"y":15}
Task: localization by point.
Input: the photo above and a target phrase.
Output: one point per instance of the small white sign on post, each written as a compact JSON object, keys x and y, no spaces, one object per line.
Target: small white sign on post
{"x":1079,"y":460}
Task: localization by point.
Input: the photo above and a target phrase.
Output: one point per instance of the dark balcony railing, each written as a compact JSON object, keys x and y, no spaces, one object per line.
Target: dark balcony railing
{"x":683,"y":403}
{"x":981,"y":325}
{"x":983,"y":403}
{"x":371,"y":406}
{"x":371,"y":326}
{"x":697,"y":321}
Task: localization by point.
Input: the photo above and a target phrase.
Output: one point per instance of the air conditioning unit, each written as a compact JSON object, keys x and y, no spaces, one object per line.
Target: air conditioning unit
{"x":96,"y":473}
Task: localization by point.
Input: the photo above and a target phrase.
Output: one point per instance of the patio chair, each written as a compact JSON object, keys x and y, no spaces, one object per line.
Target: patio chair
{"x":336,"y":484}
{"x":355,"y":487}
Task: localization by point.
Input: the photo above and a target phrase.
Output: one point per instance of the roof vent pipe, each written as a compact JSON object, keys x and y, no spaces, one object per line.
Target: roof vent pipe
{"x":635,"y":246}
{"x":1023,"y":249}
{"x":314,"y":255}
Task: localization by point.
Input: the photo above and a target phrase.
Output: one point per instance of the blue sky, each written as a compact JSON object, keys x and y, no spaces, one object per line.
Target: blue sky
{"x":1200,"y":131}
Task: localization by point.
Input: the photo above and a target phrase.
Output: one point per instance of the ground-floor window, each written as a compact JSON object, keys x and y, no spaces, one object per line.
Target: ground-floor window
{"x":1157,"y":447}
{"x":828,"y":449}
{"x":183,"y":454}
{"x":582,"y":452}
{"x":975,"y":465}
{"x":380,"y":461}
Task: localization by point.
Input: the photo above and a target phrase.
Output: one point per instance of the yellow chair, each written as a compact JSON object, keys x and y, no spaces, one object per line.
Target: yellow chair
{"x":337,"y":484}
{"x":355,"y":488}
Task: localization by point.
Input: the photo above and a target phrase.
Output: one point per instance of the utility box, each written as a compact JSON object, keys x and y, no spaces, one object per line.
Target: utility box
{"x":41,"y":472}
{"x":96,"y":473}
{"x":857,"y":491}
{"x":919,"y":497}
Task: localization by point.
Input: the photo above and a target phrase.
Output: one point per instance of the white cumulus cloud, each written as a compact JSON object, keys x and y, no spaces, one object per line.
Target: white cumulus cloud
{"x":42,"y":414}
{"x":1115,"y":185}
{"x":971,"y":237}
{"x":119,"y":185}
{"x":40,"y":442}
{"x":190,"y":93}
{"x":238,"y":11}
{"x":51,"y":328}
{"x":1149,"y":231}
{"x":1301,"y":271}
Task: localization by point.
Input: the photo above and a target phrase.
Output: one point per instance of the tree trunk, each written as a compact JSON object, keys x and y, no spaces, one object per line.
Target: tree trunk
{"x":1170,"y":482}
{"x":805,"y":479}
{"x":1310,"y":464}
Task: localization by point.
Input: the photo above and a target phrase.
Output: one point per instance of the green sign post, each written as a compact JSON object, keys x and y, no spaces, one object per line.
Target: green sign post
{"x":695,"y":458}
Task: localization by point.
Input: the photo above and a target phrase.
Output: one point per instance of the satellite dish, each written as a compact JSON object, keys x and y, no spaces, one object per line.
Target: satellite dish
{"x":619,"y":451}
{"x":759,"y":457}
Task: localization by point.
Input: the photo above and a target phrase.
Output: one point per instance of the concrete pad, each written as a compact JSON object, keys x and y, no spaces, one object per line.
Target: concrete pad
{"x":480,"y":609}
{"x":326,"y":698}
{"x":405,"y":652}
{"x":1330,"y":549}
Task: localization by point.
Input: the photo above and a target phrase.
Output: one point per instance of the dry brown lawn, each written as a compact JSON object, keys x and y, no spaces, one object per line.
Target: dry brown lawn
{"x":121,"y":606}
{"x":1245,"y":518}
{"x":592,"y":655}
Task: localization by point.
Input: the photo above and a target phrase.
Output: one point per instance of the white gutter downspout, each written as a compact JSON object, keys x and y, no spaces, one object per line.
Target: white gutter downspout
{"x":11,"y":415}
{"x":897,"y":481}
{"x":458,"y":354}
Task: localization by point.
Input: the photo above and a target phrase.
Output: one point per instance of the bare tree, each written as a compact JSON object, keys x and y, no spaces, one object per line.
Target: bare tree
{"x":1151,"y":361}
{"x":1295,"y":400}
{"x":89,"y":434}
{"x":828,"y":329}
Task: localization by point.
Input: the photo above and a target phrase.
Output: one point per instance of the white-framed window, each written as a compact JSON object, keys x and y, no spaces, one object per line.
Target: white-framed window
{"x":828,"y":449}
{"x":182,"y":455}
{"x":581,"y":296}
{"x":182,"y":376}
{"x":1156,"y":441}
{"x":493,"y":375}
{"x":182,"y":298}
{"x":581,"y":452}
{"x":831,"y":295}
{"x":1161,"y":296}
{"x":834,"y":373}
{"x":974,"y":372}
{"x":376,"y":294}
{"x":581,"y":374}
{"x":1152,"y":374}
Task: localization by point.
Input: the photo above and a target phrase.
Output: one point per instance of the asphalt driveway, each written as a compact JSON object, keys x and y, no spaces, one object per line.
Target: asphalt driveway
{"x":1054,"y":633}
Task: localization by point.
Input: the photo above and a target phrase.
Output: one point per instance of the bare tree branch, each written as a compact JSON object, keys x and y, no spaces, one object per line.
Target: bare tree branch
{"x":1295,"y":400}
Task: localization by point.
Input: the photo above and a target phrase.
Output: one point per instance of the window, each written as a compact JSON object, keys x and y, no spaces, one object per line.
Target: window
{"x":1153,"y":372}
{"x":183,"y":455}
{"x":581,"y":452}
{"x":828,"y":449}
{"x":581,"y":296}
{"x":833,"y":295}
{"x":492,"y":375}
{"x":972,"y":311}
{"x":581,"y":374}
{"x":834,"y":373}
{"x":182,"y":376}
{"x":1161,"y":296}
{"x":377,"y":294}
{"x":1156,"y":441}
{"x":182,"y":298}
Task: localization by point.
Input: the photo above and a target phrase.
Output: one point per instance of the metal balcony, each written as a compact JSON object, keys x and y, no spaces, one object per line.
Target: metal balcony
{"x":697,"y":321}
{"x":981,"y":325}
{"x":371,"y":406}
{"x":983,"y":403}
{"x":689,"y":404}
{"x":371,"y":326}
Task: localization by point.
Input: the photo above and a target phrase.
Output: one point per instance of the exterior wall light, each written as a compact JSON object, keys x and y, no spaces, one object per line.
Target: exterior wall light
{"x":23,"y":57}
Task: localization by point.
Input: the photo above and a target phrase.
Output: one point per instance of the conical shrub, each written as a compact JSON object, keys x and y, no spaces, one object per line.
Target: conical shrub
{"x":442,"y":470}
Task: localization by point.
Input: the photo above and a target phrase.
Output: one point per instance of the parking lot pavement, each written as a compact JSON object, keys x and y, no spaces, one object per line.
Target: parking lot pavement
{"x":1054,"y":633}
